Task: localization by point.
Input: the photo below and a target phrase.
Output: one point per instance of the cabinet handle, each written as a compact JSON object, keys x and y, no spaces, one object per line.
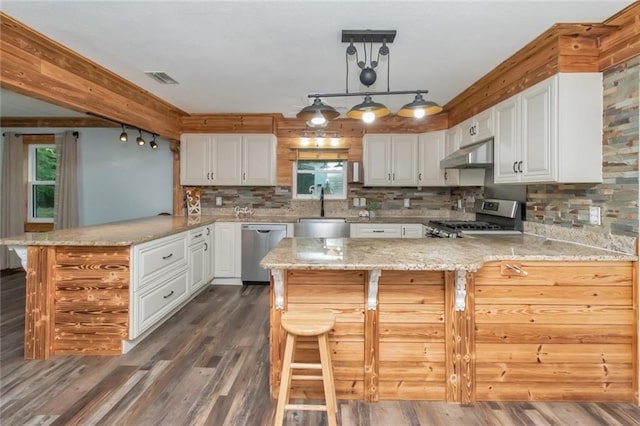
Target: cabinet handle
{"x":389,"y":176}
{"x":520,"y":166}
{"x":244,"y":176}
{"x":419,"y":176}
{"x":404,"y":231}
{"x":445,"y":174}
{"x":378,"y":231}
{"x":394,"y":176}
{"x":168,"y":295}
{"x":167,"y":256}
{"x":208,"y":231}
{"x":206,"y":247}
{"x":208,"y":176}
{"x":515,"y":163}
{"x":198,"y":236}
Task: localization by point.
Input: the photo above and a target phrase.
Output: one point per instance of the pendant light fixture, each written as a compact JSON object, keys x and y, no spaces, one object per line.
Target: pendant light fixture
{"x":319,"y":113}
{"x":139,"y":139}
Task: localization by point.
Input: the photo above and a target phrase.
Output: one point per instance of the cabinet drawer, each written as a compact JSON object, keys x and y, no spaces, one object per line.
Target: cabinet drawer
{"x":198,"y":235}
{"x":159,"y":257}
{"x":152,"y":305}
{"x":378,"y":230}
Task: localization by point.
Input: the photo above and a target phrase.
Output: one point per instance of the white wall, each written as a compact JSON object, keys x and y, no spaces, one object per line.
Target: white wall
{"x":119,"y":181}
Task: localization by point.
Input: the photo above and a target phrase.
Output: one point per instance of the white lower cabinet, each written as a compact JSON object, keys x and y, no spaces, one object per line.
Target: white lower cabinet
{"x":165,"y":274}
{"x":386,"y":230}
{"x":153,"y":304}
{"x":228,"y":253}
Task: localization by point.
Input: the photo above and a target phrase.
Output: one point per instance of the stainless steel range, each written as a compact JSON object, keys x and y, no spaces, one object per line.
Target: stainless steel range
{"x":492,"y":217}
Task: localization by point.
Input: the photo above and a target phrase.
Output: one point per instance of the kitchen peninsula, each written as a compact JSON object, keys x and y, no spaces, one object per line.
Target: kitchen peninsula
{"x":464,"y":320}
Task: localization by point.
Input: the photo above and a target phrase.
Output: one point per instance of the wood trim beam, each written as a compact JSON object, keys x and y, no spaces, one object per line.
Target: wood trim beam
{"x":623,"y":43}
{"x":39,"y":307}
{"x":54,"y":122}
{"x":36,"y":66}
{"x":229,"y":123}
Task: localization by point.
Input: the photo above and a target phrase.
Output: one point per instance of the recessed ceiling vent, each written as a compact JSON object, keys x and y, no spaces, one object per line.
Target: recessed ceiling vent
{"x":161,"y":77}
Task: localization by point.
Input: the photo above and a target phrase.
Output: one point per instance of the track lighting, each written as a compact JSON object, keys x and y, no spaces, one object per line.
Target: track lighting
{"x":153,"y":143}
{"x":123,"y":136}
{"x":318,"y":114}
{"x":139,"y":139}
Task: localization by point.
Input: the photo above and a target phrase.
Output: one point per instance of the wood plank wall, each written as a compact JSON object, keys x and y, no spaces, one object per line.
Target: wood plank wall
{"x":566,"y":331}
{"x":92,"y":300}
{"x":36,"y":66}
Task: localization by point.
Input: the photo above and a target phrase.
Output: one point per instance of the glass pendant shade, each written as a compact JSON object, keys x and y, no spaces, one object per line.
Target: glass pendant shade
{"x":419,"y":108}
{"x":312,"y":112}
{"x":368,"y":106}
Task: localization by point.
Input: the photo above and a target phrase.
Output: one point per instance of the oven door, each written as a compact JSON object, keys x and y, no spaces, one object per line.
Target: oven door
{"x":484,"y":232}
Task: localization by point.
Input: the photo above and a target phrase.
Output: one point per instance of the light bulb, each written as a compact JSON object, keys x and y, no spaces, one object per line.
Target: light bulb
{"x":368,"y":117}
{"x":123,"y":136}
{"x":335,"y":141}
{"x":304,"y":141}
{"x":318,"y":119}
{"x":418,"y":112}
{"x":319,"y":141}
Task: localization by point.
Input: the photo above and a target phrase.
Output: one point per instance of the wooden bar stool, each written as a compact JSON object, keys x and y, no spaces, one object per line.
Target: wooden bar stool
{"x":307,"y":324}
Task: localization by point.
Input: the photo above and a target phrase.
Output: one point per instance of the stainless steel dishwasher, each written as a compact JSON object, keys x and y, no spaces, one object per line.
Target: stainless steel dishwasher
{"x":257,"y":240}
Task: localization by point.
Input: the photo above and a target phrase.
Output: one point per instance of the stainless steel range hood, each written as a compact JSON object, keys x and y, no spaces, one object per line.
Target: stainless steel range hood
{"x":478,"y":155}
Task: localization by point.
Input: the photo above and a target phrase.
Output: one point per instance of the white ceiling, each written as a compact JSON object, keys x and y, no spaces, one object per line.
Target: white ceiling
{"x":266,"y":56}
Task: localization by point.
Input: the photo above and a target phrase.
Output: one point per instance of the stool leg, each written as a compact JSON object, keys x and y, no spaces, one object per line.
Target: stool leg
{"x":285,"y":379}
{"x":327,"y":380}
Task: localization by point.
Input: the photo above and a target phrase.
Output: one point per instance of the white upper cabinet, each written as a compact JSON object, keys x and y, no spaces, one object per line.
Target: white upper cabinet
{"x":228,"y":159}
{"x":551,"y":132}
{"x":431,"y":149}
{"x":477,"y":128}
{"x":390,"y":160}
{"x":259,"y":161}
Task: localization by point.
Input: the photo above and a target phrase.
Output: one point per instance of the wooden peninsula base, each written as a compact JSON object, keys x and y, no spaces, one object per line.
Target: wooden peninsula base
{"x":561,"y":331}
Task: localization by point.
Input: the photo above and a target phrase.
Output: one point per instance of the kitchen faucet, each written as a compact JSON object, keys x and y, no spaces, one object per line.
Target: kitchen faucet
{"x":321,"y":201}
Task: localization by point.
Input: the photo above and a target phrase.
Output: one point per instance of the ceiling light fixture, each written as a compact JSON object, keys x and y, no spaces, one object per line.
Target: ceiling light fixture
{"x":139,"y":139}
{"x":318,"y":114}
{"x":123,"y":136}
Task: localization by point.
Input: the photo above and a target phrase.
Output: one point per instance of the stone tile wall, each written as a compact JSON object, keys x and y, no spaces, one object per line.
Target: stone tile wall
{"x":567,"y":205}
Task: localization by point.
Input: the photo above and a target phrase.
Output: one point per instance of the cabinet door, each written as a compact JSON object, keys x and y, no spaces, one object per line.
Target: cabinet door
{"x":209,"y":251}
{"x":197,"y":270}
{"x":259,"y":160}
{"x":539,"y":150}
{"x":227,"y":250}
{"x":404,"y":160}
{"x":467,"y":132}
{"x":227,"y":161}
{"x":506,"y":142}
{"x":195,"y":152}
{"x":431,"y":148}
{"x":377,"y":160}
{"x":484,"y":124}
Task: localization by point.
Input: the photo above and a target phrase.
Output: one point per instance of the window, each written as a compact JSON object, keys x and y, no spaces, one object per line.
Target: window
{"x":41,"y":182}
{"x":312,"y":175}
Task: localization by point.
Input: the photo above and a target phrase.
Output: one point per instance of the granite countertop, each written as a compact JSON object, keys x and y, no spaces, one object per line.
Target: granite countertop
{"x":150,"y":228}
{"x":123,"y":233}
{"x":441,"y":254}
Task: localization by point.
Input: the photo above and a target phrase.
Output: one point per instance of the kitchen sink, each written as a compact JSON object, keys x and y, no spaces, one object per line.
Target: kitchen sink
{"x":321,"y":227}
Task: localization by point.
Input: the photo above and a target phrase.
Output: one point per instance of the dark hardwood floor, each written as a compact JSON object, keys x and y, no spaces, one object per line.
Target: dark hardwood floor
{"x":208,"y":365}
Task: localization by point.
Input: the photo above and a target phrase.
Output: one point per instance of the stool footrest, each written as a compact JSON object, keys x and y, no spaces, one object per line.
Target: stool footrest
{"x":305,"y":377}
{"x":309,"y":366}
{"x":307,"y":407}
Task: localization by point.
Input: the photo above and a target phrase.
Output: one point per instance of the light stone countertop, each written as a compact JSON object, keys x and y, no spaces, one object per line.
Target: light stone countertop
{"x":123,"y":233}
{"x":435,"y":254}
{"x":150,"y":228}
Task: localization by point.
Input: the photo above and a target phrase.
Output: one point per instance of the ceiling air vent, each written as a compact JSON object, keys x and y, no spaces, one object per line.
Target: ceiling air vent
{"x":161,"y":77}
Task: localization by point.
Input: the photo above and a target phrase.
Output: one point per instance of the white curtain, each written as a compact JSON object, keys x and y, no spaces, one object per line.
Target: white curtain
{"x":12,"y":197}
{"x":65,"y":204}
